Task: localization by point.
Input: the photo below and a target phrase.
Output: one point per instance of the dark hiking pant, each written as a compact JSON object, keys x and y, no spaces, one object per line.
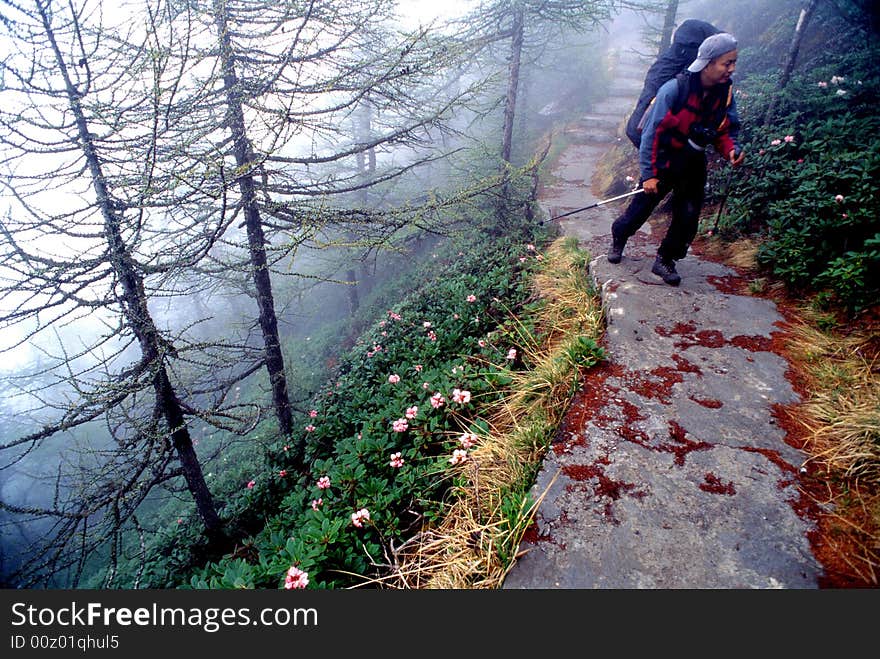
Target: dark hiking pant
{"x":687,"y":185}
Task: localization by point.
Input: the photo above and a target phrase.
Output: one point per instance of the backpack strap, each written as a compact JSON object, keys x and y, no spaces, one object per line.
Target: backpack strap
{"x":684,"y":88}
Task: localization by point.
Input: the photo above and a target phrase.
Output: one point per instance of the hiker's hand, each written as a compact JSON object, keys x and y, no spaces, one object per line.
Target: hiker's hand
{"x":737,"y":158}
{"x":650,"y":185}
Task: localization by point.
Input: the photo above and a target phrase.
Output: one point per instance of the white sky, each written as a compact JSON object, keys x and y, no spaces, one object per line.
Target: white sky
{"x":426,"y":11}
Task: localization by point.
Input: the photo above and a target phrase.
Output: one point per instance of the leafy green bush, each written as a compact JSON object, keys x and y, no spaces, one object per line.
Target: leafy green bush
{"x":375,"y":442}
{"x":808,"y":189}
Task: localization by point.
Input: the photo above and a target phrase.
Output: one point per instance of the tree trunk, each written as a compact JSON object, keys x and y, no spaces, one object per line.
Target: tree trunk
{"x":135,"y":309}
{"x":668,"y":26}
{"x":516,"y":43}
{"x":791,"y":56}
{"x":256,"y":238}
{"x":512,"y":85}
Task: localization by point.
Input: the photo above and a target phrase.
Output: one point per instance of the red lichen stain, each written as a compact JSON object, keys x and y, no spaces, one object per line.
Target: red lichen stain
{"x":753,"y":343}
{"x":691,"y":337}
{"x":711,"y":403}
{"x":714,"y":485}
{"x":604,"y":486}
{"x":683,"y":329}
{"x":588,"y":404}
{"x":774,"y":457}
{"x":682,"y":445}
{"x":684,"y":366}
{"x":730,"y":284}
{"x":532,"y":536}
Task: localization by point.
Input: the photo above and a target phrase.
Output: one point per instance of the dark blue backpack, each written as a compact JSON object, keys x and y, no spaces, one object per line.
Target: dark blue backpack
{"x":674,"y":60}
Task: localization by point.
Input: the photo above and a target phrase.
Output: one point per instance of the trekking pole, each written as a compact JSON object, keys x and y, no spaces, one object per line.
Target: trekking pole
{"x":598,"y":203}
{"x":727,"y":185}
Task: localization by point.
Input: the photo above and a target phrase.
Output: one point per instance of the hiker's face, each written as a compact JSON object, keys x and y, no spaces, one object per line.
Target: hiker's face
{"x":719,"y":70}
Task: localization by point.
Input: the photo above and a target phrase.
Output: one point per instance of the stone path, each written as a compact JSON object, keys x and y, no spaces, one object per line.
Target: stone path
{"x":670,"y":470}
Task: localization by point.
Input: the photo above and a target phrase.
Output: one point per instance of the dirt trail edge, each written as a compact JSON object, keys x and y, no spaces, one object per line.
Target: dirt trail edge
{"x":670,"y":470}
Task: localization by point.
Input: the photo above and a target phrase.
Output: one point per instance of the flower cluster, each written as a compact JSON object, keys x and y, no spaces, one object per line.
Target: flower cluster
{"x":296,"y":578}
{"x":467,"y":440}
{"x":458,"y":456}
{"x":396,"y":460}
{"x":400,"y":425}
{"x":461,"y":396}
{"x":323,"y":483}
{"x":358,"y":518}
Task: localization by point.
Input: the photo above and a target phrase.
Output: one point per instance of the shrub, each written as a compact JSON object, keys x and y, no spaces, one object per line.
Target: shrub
{"x":808,"y":187}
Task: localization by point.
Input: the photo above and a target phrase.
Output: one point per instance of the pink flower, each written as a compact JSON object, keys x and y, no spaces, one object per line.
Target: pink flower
{"x":432,"y":336}
{"x":251,"y":484}
{"x":180,"y":520}
{"x":455,"y":316}
{"x":393,"y":316}
{"x":296,"y":578}
{"x":776,"y":142}
{"x":458,"y":456}
{"x":426,"y":324}
{"x":411,"y":412}
{"x":400,"y":425}
{"x":844,"y":216}
{"x":839,"y":199}
{"x":511,"y":354}
{"x":800,"y":161}
{"x":394,"y":378}
{"x":282,"y":473}
{"x":539,"y":257}
{"x":789,"y":138}
{"x":418,"y":368}
{"x":313,"y":413}
{"x":522,"y":259}
{"x":426,"y":385}
{"x":531,"y":247}
{"x":310,"y":428}
{"x":323,"y":482}
{"x":461,"y":396}
{"x":437,"y":400}
{"x":823,"y":84}
{"x":467,"y":440}
{"x":317,"y":503}
{"x":358,"y":518}
{"x":481,"y":343}
{"x":396,"y":460}
{"x":286,"y":448}
{"x":471,"y":298}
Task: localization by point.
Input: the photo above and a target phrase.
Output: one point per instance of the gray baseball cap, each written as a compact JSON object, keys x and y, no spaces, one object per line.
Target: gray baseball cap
{"x":712,"y":47}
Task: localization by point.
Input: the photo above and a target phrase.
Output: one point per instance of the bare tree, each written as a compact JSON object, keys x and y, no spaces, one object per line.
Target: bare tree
{"x":98,"y":225}
{"x":284,"y":82}
{"x":788,"y":64}
{"x":528,"y":25}
{"x":668,"y":26}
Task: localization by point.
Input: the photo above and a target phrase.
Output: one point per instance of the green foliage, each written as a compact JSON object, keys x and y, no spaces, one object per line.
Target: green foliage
{"x":438,"y":338}
{"x":809,"y":187}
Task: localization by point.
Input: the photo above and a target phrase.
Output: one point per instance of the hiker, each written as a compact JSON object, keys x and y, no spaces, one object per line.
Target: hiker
{"x":690,"y":112}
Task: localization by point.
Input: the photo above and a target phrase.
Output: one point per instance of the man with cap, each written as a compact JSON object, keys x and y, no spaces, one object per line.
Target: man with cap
{"x":672,"y":154}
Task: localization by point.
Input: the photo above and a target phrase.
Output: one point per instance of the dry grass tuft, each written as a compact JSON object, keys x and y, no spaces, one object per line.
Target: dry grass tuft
{"x":476,"y":542}
{"x":842,"y":419}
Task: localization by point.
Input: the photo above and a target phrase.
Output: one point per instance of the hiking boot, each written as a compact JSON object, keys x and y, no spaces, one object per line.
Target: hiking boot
{"x":665,"y":268}
{"x":615,"y":252}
